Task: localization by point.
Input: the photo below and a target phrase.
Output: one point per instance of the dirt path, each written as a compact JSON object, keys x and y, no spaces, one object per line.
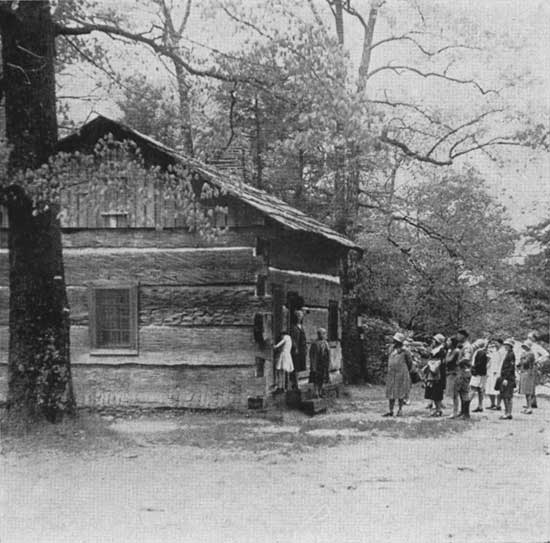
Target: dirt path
{"x":346,"y":476}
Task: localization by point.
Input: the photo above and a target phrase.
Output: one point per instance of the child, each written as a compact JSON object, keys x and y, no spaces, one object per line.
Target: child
{"x":284,"y":365}
{"x":462,"y":387}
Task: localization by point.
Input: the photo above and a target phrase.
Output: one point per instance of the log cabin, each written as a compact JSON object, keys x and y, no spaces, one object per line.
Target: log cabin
{"x":164,"y":317}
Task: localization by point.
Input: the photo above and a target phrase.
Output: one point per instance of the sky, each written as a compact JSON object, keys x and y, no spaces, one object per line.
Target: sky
{"x":515,"y":35}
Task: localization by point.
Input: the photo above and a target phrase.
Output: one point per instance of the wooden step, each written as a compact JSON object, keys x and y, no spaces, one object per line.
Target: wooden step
{"x":315,"y":406}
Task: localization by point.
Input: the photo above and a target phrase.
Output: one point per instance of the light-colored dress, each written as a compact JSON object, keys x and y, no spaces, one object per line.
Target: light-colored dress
{"x":527,"y":374}
{"x":284,"y":359}
{"x":398,"y":380}
{"x":493,"y":371}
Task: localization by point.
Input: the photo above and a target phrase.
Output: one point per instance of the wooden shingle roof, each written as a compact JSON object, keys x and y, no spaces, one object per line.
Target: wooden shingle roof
{"x":267,"y":204}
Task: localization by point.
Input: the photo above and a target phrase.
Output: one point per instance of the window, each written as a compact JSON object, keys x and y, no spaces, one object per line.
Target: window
{"x":115,"y":219}
{"x":113,"y":319}
{"x":333,"y":320}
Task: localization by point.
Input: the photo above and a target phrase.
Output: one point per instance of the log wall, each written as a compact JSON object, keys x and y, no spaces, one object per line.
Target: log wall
{"x":196,"y":304}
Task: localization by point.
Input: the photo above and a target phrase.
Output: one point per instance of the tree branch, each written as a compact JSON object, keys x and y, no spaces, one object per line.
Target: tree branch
{"x":400,"y":69}
{"x":88,"y":28}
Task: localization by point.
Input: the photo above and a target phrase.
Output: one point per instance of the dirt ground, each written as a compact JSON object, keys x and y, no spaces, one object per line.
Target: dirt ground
{"x":347,"y":476}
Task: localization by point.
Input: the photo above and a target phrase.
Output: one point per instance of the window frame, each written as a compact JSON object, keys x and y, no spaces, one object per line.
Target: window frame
{"x":95,"y":348}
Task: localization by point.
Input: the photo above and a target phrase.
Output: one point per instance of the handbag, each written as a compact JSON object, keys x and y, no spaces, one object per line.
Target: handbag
{"x":498,"y":383}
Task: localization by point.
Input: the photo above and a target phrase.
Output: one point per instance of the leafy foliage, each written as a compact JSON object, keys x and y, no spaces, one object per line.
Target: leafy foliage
{"x":115,"y":178}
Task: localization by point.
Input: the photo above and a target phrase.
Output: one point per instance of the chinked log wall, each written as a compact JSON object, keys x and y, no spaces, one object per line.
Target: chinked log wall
{"x":196,"y":309}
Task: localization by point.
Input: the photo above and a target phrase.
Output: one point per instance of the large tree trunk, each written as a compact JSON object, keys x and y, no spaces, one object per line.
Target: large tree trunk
{"x":39,"y":382}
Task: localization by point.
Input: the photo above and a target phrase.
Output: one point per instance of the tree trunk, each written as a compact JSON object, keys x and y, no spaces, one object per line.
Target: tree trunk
{"x":39,"y":373}
{"x":258,"y":145}
{"x":339,"y":20}
{"x":185,"y":111}
{"x":368,"y":36}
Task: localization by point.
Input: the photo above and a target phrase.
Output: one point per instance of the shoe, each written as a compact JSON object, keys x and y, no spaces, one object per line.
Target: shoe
{"x":492,"y":407}
{"x":527,"y":412}
{"x":388,"y":414}
{"x":399,"y":413}
{"x":506,"y":417}
{"x":455,"y":416}
{"x":436,"y":414}
{"x":498,"y":408}
{"x":478,"y":410}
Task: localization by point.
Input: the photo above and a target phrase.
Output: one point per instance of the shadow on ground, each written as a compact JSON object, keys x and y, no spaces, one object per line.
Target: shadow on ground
{"x":354,"y":417}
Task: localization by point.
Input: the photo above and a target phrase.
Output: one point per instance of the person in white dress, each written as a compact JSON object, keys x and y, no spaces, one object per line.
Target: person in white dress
{"x":284,"y":365}
{"x":496,"y":356}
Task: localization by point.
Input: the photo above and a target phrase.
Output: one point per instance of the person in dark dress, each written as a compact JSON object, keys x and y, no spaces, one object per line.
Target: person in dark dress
{"x":451,"y":368}
{"x":508,"y":378}
{"x":299,"y":347}
{"x":319,"y":361}
{"x":435,"y":375}
{"x":479,"y":373}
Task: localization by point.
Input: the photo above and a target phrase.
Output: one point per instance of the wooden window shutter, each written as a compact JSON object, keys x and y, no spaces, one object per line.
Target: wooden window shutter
{"x":134,"y":316}
{"x":92,"y":324}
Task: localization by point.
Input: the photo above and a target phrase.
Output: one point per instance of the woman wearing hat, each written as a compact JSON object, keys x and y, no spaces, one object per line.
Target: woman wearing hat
{"x":527,"y":376}
{"x":508,"y":378}
{"x":319,"y":361}
{"x":434,"y":374}
{"x":398,"y":380}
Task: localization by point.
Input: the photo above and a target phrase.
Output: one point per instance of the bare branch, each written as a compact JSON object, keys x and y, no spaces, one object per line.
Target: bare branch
{"x":413,"y":154}
{"x":462,"y":126}
{"x":400,"y":69}
{"x":407,"y":37}
{"x":87,"y":28}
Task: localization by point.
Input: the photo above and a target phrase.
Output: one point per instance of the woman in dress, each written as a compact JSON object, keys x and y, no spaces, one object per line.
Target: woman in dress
{"x":508,"y":379}
{"x":319,"y":361}
{"x":451,"y":368}
{"x":398,"y":380}
{"x":495,"y":359}
{"x":284,"y":365}
{"x":434,"y":374}
{"x":527,"y":377}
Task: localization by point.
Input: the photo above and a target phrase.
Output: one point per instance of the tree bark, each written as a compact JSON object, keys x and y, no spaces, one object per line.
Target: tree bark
{"x":39,"y":373}
{"x":185,"y":111}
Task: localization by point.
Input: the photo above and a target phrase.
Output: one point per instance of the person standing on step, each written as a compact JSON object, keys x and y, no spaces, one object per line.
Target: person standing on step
{"x":319,"y":362}
{"x":494,"y":365}
{"x":299,"y":347}
{"x":527,"y":376}
{"x":398,"y":380}
{"x":479,"y":373}
{"x":451,"y":369}
{"x":284,"y":365}
{"x":508,"y":379}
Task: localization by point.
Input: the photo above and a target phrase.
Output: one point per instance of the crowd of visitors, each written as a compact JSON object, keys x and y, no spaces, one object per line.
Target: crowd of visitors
{"x":466,"y":372}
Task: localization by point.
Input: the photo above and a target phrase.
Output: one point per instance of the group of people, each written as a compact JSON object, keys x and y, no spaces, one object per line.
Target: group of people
{"x":465,"y":372}
{"x":292,"y":354}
